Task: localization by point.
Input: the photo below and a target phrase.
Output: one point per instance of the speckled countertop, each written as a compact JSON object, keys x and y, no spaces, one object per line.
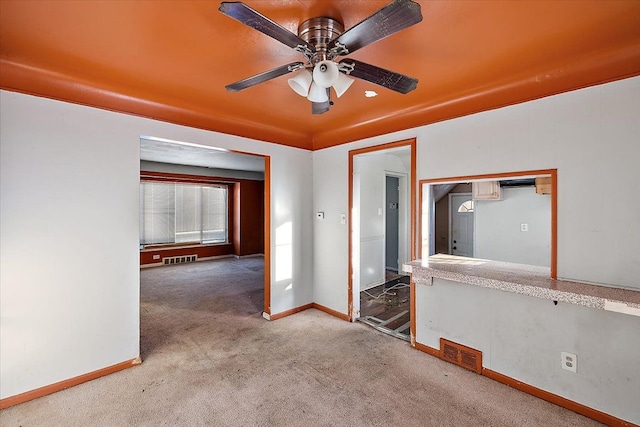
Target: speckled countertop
{"x":523,"y":279}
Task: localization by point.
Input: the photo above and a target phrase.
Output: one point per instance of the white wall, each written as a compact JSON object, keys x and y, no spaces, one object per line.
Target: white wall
{"x":497,"y":234}
{"x":590,"y":135}
{"x":66,"y":310}
{"x":522,"y":337}
{"x":371,"y":208}
{"x":69,"y":281}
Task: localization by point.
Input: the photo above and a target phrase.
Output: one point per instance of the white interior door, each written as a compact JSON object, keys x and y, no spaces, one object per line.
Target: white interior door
{"x":461,"y":208}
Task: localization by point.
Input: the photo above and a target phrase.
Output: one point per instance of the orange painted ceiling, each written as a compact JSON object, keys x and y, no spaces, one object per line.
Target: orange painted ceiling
{"x":170,"y":60}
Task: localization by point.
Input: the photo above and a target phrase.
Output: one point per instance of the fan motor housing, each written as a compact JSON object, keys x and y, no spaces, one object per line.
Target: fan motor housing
{"x":319,"y":32}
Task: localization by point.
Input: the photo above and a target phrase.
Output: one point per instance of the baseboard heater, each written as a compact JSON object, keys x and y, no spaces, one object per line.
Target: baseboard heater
{"x":179,"y":259}
{"x":466,"y":357}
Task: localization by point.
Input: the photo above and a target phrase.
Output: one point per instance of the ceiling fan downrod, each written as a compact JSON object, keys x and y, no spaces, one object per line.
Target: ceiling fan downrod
{"x":319,"y":32}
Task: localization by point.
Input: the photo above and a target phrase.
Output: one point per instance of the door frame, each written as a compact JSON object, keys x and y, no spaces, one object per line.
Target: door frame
{"x":413,"y":179}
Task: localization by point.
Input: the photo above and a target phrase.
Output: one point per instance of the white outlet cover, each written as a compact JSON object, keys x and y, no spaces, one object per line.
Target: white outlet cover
{"x":569,"y":361}
{"x":320,"y":215}
{"x":524,"y":227}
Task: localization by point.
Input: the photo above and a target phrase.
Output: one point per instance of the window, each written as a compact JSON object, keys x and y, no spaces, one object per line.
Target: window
{"x":182,"y":213}
{"x":466,"y":206}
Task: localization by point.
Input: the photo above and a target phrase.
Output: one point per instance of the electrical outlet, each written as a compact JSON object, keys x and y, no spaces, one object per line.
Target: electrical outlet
{"x":343,"y":218}
{"x":524,"y":227}
{"x":320,"y":215}
{"x":569,"y":361}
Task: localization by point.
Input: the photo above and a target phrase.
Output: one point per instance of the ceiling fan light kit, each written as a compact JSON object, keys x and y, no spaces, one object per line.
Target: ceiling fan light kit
{"x":325,"y":73}
{"x":317,"y":93}
{"x":342,"y":84}
{"x":301,"y":82}
{"x":322,"y":40}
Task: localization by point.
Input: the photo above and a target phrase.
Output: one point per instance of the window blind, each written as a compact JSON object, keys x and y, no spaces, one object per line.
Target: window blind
{"x":182,"y":213}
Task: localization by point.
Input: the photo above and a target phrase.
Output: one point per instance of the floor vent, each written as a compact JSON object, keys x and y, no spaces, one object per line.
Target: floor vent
{"x":179,"y":259}
{"x":461,"y":355}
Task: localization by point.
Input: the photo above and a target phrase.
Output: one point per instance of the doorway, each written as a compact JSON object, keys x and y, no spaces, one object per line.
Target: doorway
{"x":382,"y":236}
{"x":240,"y":216}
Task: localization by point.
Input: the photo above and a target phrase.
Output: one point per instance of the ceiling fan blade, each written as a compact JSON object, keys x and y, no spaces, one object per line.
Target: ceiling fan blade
{"x":263,"y":77}
{"x":395,"y":16}
{"x":380,"y":76}
{"x":243,"y":13}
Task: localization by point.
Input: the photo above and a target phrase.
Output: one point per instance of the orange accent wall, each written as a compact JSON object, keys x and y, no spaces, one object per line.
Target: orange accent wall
{"x":248,"y":227}
{"x":202,"y":251}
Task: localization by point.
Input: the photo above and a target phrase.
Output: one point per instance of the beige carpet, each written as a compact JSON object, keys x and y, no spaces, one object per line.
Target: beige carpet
{"x":210,"y":359}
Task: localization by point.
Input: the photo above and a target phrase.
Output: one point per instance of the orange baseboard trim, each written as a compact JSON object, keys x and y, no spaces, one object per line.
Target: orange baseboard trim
{"x":306,"y":307}
{"x":563,"y":402}
{"x":579,"y":408}
{"x":429,"y":350}
{"x":331,"y":312}
{"x":52,"y":388}
{"x":290,"y":312}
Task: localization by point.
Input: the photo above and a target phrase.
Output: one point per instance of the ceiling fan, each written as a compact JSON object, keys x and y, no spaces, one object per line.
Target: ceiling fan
{"x":322,"y":40}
